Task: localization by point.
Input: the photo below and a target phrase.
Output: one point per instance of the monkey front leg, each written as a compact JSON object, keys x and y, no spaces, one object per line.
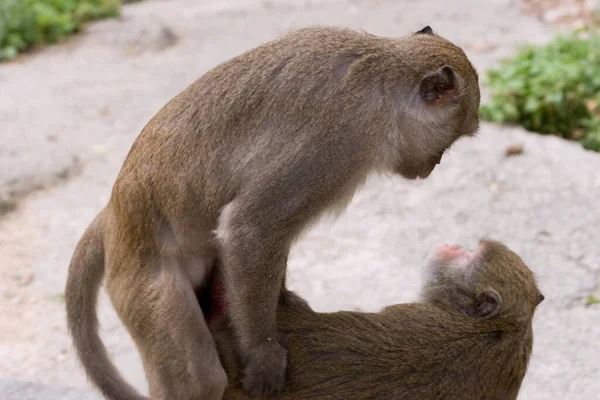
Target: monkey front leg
{"x":253,"y":253}
{"x":253,"y":279}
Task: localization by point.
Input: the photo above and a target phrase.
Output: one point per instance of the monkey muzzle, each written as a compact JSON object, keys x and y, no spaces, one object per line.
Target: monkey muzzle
{"x":413,"y":174}
{"x":428,"y":168}
{"x":425,"y":172}
{"x":422,"y":170}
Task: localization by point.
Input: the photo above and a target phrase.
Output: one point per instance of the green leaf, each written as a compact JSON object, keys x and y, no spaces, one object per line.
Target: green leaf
{"x":25,"y":23}
{"x":591,"y":300}
{"x":549,"y":88}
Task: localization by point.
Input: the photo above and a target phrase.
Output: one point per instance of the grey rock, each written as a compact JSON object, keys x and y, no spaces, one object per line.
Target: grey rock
{"x":89,"y":99}
{"x":21,"y":390}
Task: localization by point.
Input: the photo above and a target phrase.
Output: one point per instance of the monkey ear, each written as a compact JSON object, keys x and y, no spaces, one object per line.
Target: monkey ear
{"x":439,"y":86}
{"x":425,"y":31}
{"x":486,"y":305}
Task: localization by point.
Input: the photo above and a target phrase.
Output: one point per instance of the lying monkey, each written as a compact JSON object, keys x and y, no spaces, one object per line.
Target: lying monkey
{"x":231,"y":171}
{"x":469,"y":338}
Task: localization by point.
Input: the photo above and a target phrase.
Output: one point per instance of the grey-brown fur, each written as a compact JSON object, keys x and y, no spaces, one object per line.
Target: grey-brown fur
{"x":418,"y":351}
{"x":233,"y":169}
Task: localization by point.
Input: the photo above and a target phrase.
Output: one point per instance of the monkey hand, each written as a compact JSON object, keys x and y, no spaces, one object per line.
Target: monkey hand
{"x":264,"y":371}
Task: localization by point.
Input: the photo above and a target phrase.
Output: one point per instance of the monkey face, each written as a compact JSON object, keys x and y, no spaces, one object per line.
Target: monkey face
{"x":491,"y":281}
{"x":444,"y":111}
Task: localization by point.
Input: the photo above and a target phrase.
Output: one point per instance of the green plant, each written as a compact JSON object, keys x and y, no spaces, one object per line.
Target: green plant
{"x":25,"y":23}
{"x":57,"y":297}
{"x":553,"y":89}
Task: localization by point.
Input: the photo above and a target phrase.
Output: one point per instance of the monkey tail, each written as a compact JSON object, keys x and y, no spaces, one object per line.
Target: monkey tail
{"x":85,"y":275}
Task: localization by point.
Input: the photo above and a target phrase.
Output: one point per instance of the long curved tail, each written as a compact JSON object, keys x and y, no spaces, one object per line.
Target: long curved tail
{"x":86,"y":272}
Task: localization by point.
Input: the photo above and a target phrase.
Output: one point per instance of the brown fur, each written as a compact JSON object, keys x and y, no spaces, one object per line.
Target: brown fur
{"x":255,"y":151}
{"x":430,"y":350}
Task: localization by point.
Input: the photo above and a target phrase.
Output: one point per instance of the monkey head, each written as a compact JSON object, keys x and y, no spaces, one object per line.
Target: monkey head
{"x":442,"y":104}
{"x":490,"y":282}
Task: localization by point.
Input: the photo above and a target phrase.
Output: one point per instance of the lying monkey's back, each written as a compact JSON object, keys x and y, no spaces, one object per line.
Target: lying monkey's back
{"x":400,"y":354}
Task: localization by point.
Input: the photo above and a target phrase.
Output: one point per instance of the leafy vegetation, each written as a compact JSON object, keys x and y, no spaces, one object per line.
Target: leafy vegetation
{"x":57,"y":297}
{"x":25,"y":23}
{"x":551,"y":89}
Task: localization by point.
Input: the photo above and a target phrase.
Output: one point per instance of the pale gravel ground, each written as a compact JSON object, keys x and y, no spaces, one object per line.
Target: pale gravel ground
{"x":92,"y":96}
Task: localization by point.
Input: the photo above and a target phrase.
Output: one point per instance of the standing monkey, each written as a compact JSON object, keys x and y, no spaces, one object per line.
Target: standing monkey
{"x":232,"y":170}
{"x":469,"y":338}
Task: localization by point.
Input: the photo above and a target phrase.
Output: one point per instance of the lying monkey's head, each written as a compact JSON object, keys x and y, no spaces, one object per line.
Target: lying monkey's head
{"x":491,"y":281}
{"x":442,"y":105}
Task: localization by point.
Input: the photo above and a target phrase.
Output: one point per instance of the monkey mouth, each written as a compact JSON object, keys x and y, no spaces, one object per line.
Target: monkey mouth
{"x":425,"y":174}
{"x":414,"y":172}
{"x":414,"y":175}
{"x":406,"y":173}
{"x":426,"y":171}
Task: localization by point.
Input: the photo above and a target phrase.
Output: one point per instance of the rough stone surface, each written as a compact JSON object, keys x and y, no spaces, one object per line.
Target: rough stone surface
{"x":17,"y":390}
{"x":88,"y":99}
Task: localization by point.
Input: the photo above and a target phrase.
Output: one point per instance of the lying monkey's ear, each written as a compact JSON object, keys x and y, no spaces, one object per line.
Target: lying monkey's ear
{"x":425,"y":31}
{"x":439,"y":85}
{"x":486,"y":305}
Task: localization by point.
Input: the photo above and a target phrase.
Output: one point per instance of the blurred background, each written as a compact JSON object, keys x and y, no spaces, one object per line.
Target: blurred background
{"x":80,"y":78}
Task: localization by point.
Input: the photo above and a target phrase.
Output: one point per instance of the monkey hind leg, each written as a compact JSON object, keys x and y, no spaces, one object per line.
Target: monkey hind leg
{"x":177,"y":349}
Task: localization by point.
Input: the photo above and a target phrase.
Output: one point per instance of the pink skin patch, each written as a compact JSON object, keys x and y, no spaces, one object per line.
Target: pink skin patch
{"x":452,"y":253}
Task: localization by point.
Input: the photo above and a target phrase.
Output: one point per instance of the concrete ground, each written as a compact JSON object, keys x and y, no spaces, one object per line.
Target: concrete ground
{"x":69,"y":113}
